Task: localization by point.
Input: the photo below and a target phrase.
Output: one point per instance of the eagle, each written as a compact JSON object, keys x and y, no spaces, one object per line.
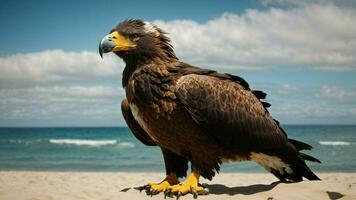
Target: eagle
{"x":196,"y":115}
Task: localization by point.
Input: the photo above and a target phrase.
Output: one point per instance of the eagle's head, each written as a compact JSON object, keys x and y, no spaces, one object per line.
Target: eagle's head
{"x":137,"y":40}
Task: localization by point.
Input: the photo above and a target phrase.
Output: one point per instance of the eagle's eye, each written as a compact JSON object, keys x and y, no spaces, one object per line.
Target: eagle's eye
{"x":134,"y":37}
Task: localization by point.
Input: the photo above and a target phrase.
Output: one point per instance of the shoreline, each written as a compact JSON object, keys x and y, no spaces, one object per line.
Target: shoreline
{"x":262,"y":171}
{"x":119,"y":185}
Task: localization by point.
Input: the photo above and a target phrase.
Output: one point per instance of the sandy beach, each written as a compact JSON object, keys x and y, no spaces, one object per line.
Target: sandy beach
{"x":78,"y":185}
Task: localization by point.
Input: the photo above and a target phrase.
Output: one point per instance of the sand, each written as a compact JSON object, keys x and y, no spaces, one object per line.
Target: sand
{"x":78,"y":185}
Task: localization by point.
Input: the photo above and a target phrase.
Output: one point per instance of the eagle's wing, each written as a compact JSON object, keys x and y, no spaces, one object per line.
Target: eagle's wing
{"x":136,"y":129}
{"x":231,"y":114}
{"x":229,"y":111}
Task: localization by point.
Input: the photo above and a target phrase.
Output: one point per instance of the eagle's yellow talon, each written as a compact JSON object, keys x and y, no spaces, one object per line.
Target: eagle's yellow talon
{"x":190,"y":185}
{"x":170,"y":180}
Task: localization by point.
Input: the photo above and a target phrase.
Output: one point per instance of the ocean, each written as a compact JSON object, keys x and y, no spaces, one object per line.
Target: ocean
{"x":117,"y":150}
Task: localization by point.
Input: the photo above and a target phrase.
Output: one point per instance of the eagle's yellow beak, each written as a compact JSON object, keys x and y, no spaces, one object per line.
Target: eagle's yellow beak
{"x":114,"y":42}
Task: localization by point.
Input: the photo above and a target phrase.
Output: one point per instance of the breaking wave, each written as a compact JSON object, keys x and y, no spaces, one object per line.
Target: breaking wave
{"x":126,"y":145}
{"x":81,"y":142}
{"x":334,"y":143}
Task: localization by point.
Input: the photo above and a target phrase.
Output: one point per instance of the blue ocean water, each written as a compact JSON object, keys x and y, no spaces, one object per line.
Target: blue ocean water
{"x":116,"y":149}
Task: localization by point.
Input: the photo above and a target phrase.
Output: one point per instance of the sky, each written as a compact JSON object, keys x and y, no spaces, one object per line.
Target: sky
{"x":301,"y":53}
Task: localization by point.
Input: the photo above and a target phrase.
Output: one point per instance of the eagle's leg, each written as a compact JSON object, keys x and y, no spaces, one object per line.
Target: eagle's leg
{"x":190,"y":185}
{"x":176,"y":166}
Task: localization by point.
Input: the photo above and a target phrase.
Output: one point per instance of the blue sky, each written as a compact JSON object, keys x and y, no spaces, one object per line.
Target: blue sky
{"x":302,"y":53}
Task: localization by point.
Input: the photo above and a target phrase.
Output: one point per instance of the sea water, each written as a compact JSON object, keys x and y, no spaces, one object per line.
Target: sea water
{"x":116,"y":149}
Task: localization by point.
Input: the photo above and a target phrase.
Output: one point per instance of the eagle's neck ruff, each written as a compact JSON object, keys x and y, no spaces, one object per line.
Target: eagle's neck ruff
{"x":136,"y":63}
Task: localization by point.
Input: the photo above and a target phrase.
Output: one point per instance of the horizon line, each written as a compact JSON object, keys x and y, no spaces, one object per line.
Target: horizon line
{"x":99,"y":126}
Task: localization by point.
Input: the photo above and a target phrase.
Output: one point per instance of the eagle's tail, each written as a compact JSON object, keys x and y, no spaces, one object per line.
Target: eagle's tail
{"x":288,"y":164}
{"x":299,"y":163}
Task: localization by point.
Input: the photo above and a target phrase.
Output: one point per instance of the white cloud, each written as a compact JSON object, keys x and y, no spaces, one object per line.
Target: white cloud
{"x":334,"y":92}
{"x":315,"y":111}
{"x":56,"y":66}
{"x":58,"y":86}
{"x":287,"y":89}
{"x":324,"y":105}
{"x":60,"y":102}
{"x":307,"y":2}
{"x":317,"y":36}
